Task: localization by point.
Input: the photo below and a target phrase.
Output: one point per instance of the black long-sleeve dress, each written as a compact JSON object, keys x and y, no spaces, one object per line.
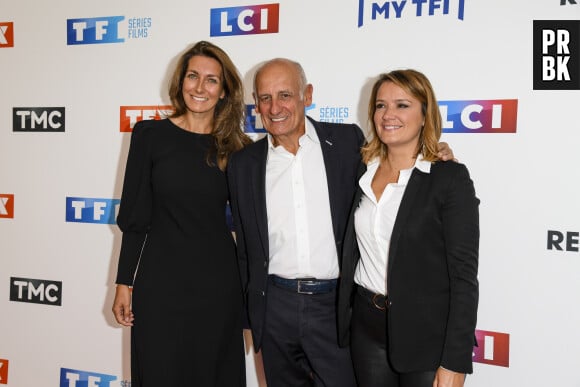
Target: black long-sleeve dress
{"x":179,"y":255}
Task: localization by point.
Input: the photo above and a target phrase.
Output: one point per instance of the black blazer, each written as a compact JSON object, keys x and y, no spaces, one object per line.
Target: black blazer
{"x":432,"y":284}
{"x":340,"y":145}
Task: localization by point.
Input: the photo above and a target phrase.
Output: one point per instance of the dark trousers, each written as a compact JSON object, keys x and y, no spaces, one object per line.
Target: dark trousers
{"x":369,"y":348}
{"x":299,"y":346}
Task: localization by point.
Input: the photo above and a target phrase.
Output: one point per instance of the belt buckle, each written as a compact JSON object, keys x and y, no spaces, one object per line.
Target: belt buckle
{"x":376,"y":304}
{"x":299,"y":286}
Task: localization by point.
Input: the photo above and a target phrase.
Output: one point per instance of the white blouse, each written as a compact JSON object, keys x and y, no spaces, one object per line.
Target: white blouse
{"x":374,"y":223}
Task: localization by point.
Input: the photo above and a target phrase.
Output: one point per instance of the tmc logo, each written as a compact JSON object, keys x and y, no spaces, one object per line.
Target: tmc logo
{"x":3,"y":371}
{"x":77,"y":378}
{"x":479,"y":116}
{"x":556,"y":54}
{"x":94,"y":30}
{"x":6,"y":206}
{"x":38,"y":119}
{"x":130,"y":115}
{"x":89,"y":210}
{"x":567,"y":2}
{"x":252,"y":19}
{"x":493,"y":348}
{"x":563,"y":241}
{"x":35,"y":291}
{"x":395,"y":9}
{"x":6,"y":34}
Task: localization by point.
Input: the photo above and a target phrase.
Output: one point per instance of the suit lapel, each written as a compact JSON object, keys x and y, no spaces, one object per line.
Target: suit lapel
{"x":259,"y":193}
{"x":332,"y":167}
{"x":414,"y":185}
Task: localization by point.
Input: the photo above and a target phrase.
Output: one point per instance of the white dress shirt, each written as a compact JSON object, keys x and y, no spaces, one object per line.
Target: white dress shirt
{"x":299,"y":222}
{"x":374,"y":223}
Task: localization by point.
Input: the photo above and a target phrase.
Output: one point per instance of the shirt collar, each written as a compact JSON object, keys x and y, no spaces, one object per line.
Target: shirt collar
{"x":309,"y":134}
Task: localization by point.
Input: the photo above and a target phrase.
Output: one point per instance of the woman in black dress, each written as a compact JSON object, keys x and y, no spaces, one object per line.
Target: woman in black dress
{"x":178,"y":283}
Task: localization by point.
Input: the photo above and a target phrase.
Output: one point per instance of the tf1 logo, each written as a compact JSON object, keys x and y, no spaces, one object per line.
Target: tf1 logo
{"x":130,"y":115}
{"x":94,"y":30}
{"x":245,"y":20}
{"x":6,"y":34}
{"x":253,"y":123}
{"x":6,"y":206}
{"x":38,"y":119}
{"x":479,"y":116}
{"x":493,"y":348}
{"x":3,"y":371}
{"x":78,"y":378}
{"x":556,"y":54}
{"x":35,"y":291}
{"x":91,"y":210}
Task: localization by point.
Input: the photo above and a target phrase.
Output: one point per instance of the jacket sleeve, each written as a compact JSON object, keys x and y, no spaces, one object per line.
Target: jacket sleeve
{"x":232,"y":175}
{"x":136,"y":201}
{"x":461,"y":232}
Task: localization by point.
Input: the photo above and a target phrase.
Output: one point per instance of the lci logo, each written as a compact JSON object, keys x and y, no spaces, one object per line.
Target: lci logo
{"x":479,"y":116}
{"x":91,"y":210}
{"x":247,"y":20}
{"x":130,"y":115}
{"x":78,"y":378}
{"x":6,"y":34}
{"x":556,"y":54}
{"x":395,"y":9}
{"x":6,"y":206}
{"x":4,"y":371}
{"x":493,"y":348}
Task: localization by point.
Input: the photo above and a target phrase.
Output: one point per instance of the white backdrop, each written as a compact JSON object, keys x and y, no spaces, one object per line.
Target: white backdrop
{"x":57,"y":267}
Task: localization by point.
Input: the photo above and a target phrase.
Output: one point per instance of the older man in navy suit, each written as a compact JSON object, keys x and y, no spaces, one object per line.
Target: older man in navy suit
{"x":291,"y":193}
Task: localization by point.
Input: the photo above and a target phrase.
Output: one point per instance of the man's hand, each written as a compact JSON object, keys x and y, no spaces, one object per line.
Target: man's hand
{"x":445,"y":153}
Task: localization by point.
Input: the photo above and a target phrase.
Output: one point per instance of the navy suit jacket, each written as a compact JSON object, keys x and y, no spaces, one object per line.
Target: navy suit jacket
{"x":432,"y":284}
{"x":246,"y":172}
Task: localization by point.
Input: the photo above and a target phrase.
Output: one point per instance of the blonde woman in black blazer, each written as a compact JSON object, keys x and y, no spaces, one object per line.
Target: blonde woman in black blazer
{"x":409,"y":291}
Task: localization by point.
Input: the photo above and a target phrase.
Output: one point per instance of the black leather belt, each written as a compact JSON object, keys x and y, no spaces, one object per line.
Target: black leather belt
{"x":379,"y":301}
{"x":305,"y":285}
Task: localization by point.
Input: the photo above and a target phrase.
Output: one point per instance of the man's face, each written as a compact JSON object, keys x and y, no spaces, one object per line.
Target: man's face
{"x":280,"y":102}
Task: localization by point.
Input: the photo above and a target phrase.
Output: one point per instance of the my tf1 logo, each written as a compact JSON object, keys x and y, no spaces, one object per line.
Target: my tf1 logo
{"x":6,"y":34}
{"x":94,"y":30}
{"x":38,"y":119}
{"x":396,"y":8}
{"x":493,"y":348}
{"x":3,"y":371}
{"x":78,"y":378}
{"x":479,"y":116}
{"x":246,"y":20}
{"x":91,"y":210}
{"x":35,"y":291}
{"x":130,"y":115}
{"x":6,"y":206}
{"x":556,"y":54}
